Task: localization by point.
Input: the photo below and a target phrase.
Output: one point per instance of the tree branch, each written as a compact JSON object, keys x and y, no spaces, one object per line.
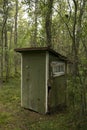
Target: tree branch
{"x":65,"y":23}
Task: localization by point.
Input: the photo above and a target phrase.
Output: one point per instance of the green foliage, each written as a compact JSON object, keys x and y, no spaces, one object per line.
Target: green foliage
{"x":5,"y":117}
{"x":62,"y":26}
{"x":14,"y":117}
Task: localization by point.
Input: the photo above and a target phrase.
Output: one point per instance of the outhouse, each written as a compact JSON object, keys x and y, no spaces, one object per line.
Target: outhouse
{"x":43,"y":79}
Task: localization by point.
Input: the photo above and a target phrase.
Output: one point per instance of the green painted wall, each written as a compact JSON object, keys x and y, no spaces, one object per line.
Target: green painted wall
{"x":33,"y":81}
{"x":58,"y":88}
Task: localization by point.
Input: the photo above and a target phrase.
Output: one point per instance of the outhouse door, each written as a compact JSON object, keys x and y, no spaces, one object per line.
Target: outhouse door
{"x":33,"y":92}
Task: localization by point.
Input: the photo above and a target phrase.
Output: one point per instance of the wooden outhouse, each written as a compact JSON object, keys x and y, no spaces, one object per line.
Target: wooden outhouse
{"x":43,"y":79}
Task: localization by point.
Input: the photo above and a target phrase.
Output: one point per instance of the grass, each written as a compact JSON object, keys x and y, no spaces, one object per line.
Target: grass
{"x":14,"y":117}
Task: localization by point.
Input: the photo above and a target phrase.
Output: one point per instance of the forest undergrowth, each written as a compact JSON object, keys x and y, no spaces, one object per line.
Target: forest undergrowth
{"x":13,"y":116}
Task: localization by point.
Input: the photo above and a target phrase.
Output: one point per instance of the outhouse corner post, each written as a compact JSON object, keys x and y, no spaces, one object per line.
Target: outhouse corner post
{"x":21,"y":76}
{"x":46,"y":80}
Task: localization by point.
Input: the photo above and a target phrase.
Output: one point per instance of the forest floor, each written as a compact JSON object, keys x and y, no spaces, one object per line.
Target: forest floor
{"x":14,"y":117}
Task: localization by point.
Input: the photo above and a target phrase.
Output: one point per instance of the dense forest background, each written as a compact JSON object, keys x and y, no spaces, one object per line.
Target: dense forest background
{"x":61,"y":25}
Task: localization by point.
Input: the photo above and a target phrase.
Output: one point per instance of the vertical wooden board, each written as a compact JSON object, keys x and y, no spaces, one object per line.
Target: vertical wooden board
{"x":33,"y":88}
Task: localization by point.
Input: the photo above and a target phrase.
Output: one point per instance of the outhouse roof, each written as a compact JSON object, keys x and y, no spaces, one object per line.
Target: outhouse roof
{"x":22,"y":50}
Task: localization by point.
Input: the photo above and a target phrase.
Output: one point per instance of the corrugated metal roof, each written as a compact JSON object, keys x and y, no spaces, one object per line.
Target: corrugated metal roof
{"x":22,"y":50}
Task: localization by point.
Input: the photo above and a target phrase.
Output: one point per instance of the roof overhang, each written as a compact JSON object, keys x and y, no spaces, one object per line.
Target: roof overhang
{"x":24,"y":50}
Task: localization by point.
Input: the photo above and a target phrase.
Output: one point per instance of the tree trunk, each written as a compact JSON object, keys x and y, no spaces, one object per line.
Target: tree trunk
{"x":77,"y":34}
{"x":6,"y":55}
{"x":35,"y":24}
{"x":4,"y":34}
{"x":15,"y":35}
{"x":1,"y":56}
{"x":48,"y":23}
{"x":10,"y":47}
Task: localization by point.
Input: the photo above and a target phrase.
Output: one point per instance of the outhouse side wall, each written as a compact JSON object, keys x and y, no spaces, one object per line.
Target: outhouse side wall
{"x":58,"y":87}
{"x":33,"y":90}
